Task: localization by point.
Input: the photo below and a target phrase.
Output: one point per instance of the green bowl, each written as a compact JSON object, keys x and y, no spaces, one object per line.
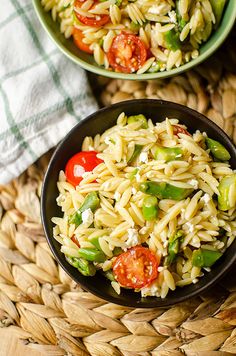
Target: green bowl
{"x":87,"y":62}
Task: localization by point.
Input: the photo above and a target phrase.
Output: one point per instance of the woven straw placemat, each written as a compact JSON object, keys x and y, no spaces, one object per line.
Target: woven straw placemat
{"x":50,"y":314}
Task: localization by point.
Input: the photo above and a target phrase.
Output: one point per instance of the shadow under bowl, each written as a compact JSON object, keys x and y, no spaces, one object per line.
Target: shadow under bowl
{"x":96,"y":123}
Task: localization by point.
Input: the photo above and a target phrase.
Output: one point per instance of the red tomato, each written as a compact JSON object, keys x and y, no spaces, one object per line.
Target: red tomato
{"x":74,"y":239}
{"x":94,"y":21}
{"x":84,"y":161}
{"x":78,"y":40}
{"x":136,"y":268}
{"x":127,"y":53}
{"x":178,"y":129}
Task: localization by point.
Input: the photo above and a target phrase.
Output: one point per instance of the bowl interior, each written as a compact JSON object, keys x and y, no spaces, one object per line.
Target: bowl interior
{"x":97,"y":123}
{"x":86,"y":61}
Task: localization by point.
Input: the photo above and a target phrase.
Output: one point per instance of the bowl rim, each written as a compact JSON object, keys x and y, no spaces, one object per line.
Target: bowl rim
{"x":150,"y":302}
{"x":145,"y":76}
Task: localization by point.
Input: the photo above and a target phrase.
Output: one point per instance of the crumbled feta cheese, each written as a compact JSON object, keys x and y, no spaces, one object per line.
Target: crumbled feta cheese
{"x":78,"y":170}
{"x":207,"y":269}
{"x":195,"y":280}
{"x":206,"y":198}
{"x":193,"y":183}
{"x":133,"y":238}
{"x":160,"y":269}
{"x":172,"y":16}
{"x":87,"y":216}
{"x":91,"y":148}
{"x":204,"y":134}
{"x":143,"y":157}
{"x":107,"y":140}
{"x":134,"y":191}
{"x":117,"y":196}
{"x":189,"y":226}
{"x":149,"y":291}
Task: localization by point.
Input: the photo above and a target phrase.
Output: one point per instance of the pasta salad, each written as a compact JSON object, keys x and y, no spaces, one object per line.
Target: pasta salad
{"x":152,"y":207}
{"x":138,"y":35}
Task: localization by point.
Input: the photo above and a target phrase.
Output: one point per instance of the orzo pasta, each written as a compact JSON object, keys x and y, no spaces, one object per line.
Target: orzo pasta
{"x":138,"y":35}
{"x":152,"y":207}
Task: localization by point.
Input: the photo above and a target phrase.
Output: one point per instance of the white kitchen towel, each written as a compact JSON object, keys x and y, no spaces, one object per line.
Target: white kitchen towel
{"x":42,"y":93}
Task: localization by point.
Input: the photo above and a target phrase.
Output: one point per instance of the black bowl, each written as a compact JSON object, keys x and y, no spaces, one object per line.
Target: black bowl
{"x":98,"y":122}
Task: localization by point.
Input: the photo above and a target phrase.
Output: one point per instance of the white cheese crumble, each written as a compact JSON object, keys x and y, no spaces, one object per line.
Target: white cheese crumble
{"x":91,"y":148}
{"x":193,"y":183}
{"x":206,"y":198}
{"x":107,"y":140}
{"x":133,"y":238}
{"x":195,"y":280}
{"x":78,"y":170}
{"x":172,"y":16}
{"x":87,"y":217}
{"x":189,"y":226}
{"x":149,"y":291}
{"x":143,"y":157}
{"x":117,"y":196}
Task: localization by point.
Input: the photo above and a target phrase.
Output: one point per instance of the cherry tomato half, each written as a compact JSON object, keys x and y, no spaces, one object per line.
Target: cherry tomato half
{"x":127,"y":53}
{"x":136,"y":268}
{"x":95,"y":20}
{"x":78,"y":40}
{"x":178,"y":129}
{"x":84,"y":161}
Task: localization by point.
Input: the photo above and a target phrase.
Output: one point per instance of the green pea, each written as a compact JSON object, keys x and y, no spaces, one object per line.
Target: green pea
{"x":150,"y":208}
{"x":217,"y":150}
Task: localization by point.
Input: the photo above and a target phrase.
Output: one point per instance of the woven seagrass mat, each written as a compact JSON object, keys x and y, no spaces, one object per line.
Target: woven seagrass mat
{"x":42,"y":308}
